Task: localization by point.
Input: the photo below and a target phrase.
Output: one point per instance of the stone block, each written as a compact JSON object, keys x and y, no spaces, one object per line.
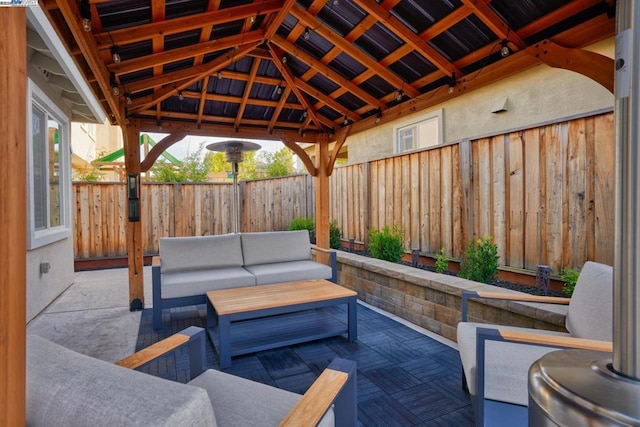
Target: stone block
{"x":447,"y":315}
{"x":430,"y":324}
{"x":409,"y":315}
{"x":435,"y":297}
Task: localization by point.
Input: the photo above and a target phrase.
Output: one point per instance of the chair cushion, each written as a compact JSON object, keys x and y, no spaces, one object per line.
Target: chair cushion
{"x":506,"y":364}
{"x":275,"y":246}
{"x":241,"y":402}
{"x":200,"y":252}
{"x":289,"y":272}
{"x":590,"y":312}
{"x":198,"y":282}
{"x":65,"y":388}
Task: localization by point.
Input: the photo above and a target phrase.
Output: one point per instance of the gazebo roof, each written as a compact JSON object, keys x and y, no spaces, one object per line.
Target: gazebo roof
{"x":280,"y":68}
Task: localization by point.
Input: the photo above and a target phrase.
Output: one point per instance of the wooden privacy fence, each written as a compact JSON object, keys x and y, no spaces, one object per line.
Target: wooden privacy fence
{"x":183,"y":209}
{"x":545,"y":195}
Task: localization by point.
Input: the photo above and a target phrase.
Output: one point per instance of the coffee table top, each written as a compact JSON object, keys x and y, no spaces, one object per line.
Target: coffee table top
{"x":238,"y":300}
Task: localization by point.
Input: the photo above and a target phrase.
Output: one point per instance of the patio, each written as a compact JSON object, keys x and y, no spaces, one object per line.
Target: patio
{"x":406,"y":375}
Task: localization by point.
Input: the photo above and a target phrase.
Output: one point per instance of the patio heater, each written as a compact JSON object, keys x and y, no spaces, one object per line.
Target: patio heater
{"x":580,"y":387}
{"x":234,"y":150}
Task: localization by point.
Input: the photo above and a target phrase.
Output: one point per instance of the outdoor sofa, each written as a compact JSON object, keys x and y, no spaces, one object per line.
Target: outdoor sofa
{"x":188,"y":267}
{"x":66,"y":388}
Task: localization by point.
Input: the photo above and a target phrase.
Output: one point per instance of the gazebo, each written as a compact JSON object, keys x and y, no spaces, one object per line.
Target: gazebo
{"x":300,"y":72}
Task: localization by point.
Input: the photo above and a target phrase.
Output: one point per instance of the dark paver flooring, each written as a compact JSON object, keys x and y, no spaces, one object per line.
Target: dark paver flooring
{"x":404,"y":377}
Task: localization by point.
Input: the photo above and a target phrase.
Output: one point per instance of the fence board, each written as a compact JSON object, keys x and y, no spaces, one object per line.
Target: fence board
{"x":446,"y":199}
{"x":574,"y":239}
{"x":604,"y":180}
{"x":425,"y":197}
{"x":435,"y":200}
{"x":515,"y":249}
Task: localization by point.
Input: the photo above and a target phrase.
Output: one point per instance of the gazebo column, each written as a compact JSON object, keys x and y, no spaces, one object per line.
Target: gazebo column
{"x":322,"y":191}
{"x":13,"y":212}
{"x":131,"y":135}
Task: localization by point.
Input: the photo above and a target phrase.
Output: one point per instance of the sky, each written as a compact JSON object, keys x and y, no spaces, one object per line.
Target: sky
{"x":191,"y":144}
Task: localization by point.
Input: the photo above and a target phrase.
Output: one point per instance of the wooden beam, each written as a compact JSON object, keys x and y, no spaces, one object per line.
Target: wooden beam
{"x":348,"y":48}
{"x":395,"y":25}
{"x":322,"y":193}
{"x":494,"y":22}
{"x":340,"y":140}
{"x":13,"y":214}
{"x":555,"y":17}
{"x":89,"y":50}
{"x":160,"y":148}
{"x":278,"y":18}
{"x":173,"y":55}
{"x":187,"y":23}
{"x":247,"y":92}
{"x":289,"y":142}
{"x":131,"y":136}
{"x":326,"y":71}
{"x":213,"y":66}
{"x":597,"y":67}
{"x":332,"y":103}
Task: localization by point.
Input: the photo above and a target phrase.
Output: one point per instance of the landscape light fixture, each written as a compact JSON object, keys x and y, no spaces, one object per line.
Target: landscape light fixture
{"x":114,"y":84}
{"x":452,"y":83}
{"x":85,"y":13}
{"x":505,"y":51}
{"x":234,"y":150}
{"x":115,"y":54}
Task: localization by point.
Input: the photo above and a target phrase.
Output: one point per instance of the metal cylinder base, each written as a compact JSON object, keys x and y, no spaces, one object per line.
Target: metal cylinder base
{"x":579,"y":388}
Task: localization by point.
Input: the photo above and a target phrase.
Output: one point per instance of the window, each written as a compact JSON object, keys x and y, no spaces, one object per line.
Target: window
{"x":422,"y":132}
{"x":49,"y":214}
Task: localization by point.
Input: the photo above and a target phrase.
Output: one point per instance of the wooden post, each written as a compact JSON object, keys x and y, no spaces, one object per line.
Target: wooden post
{"x":322,"y":192}
{"x":13,"y":212}
{"x":131,"y":135}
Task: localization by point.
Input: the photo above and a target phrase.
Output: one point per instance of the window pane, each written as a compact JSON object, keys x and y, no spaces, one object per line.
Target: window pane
{"x":38,"y":122}
{"x":54,"y":173}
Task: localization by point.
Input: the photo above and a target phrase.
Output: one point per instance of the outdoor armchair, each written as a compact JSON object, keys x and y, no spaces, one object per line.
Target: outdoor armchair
{"x":65,"y":388}
{"x":496,"y":359}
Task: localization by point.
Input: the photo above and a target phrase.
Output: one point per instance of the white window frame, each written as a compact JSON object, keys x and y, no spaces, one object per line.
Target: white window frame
{"x":38,"y":238}
{"x":398,"y":142}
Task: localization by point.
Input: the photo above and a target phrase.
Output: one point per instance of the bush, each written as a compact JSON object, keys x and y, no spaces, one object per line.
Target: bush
{"x":335,"y":235}
{"x":570,"y":277}
{"x":442,"y":262}
{"x":480,"y":262}
{"x":303,"y":224}
{"x":386,"y":243}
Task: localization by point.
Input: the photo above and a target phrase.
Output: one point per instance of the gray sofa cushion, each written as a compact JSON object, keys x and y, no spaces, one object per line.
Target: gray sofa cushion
{"x":240,"y":402}
{"x":289,"y":271}
{"x":199,"y":282}
{"x":200,"y":252}
{"x":65,"y":388}
{"x":591,"y":308}
{"x":275,"y":246}
{"x":507,"y":364}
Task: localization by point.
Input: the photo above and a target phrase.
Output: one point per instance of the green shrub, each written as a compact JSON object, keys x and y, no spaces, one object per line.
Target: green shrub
{"x":570,"y":277}
{"x":303,"y":224}
{"x":386,"y":243}
{"x":480,"y":262}
{"x":335,"y":235}
{"x":442,"y":261}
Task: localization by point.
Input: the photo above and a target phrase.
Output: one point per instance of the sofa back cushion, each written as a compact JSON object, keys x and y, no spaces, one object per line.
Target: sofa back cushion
{"x":590,"y":312}
{"x":275,"y":246}
{"x":65,"y":388}
{"x":200,"y":252}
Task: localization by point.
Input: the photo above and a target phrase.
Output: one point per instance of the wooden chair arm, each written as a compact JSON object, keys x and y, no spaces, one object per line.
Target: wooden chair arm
{"x":156,"y":261}
{"x":556,"y":340}
{"x":193,"y":336}
{"x":317,"y":400}
{"x":467,"y":295}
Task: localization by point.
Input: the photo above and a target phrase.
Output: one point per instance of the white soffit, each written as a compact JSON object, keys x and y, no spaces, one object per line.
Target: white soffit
{"x":39,"y":21}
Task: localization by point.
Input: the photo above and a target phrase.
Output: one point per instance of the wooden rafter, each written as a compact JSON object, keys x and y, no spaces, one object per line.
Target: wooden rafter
{"x":178,"y":54}
{"x":494,"y":22}
{"x":352,"y":51}
{"x":278,"y":18}
{"x":278,"y":108}
{"x":214,"y":66}
{"x":247,"y":91}
{"x":186,"y":23}
{"x":385,"y":17}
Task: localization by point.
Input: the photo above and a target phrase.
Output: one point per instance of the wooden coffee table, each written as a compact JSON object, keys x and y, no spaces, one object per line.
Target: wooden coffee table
{"x":256,"y":318}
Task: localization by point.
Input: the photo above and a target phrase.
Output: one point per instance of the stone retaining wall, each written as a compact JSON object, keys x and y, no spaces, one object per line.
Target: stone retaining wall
{"x":434,"y":300}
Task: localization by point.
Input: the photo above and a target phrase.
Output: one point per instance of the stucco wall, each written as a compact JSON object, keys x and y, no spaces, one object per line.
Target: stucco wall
{"x":536,"y":96}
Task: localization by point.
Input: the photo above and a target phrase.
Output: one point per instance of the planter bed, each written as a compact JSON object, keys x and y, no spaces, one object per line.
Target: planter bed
{"x":433,"y":300}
